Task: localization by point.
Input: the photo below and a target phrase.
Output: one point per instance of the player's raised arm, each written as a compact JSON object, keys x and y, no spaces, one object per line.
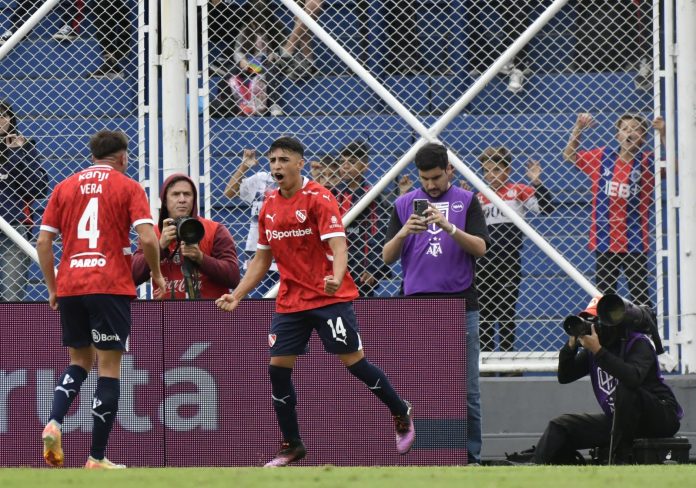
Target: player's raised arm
{"x":339,"y":249}
{"x":258,"y":267}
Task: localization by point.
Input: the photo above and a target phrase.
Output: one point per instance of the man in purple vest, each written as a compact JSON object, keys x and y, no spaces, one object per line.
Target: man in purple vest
{"x":629,"y":388}
{"x":438,"y":249}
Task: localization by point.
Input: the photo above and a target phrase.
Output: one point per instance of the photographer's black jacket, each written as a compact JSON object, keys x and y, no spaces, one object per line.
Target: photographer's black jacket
{"x":639,"y":368}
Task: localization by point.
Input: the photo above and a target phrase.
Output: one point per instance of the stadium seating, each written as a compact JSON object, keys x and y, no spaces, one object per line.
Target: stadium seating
{"x":320,"y":111}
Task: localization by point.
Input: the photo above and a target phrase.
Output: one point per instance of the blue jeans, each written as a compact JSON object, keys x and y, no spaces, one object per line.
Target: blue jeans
{"x":473,"y":394}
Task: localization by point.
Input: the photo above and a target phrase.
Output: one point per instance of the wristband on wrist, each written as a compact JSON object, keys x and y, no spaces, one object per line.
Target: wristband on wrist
{"x":453,"y":231}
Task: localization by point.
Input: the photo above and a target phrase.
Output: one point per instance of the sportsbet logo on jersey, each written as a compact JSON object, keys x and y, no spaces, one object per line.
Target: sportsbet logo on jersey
{"x":284,"y":234}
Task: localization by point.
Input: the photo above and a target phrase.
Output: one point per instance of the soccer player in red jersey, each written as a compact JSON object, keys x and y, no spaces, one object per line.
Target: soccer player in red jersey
{"x":300,"y":227}
{"x":93,"y":211}
{"x":622,"y":197}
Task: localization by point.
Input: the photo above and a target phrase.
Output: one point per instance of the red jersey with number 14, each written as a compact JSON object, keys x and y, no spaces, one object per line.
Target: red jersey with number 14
{"x":94,"y":210}
{"x":296,"y":231}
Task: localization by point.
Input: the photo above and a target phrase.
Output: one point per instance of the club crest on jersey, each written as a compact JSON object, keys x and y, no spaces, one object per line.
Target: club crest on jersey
{"x":443,"y":208}
{"x":301,"y":215}
{"x":271,"y":339}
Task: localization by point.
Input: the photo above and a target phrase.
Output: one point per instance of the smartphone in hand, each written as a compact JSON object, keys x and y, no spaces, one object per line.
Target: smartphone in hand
{"x":420,"y":205}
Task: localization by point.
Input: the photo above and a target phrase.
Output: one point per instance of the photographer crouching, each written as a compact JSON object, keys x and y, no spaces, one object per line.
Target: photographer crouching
{"x":619,"y":344}
{"x":198,"y":256}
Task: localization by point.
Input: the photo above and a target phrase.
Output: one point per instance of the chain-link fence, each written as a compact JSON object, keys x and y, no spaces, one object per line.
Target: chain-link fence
{"x":269,"y":76}
{"x":73,"y":74}
{"x":593,"y":57}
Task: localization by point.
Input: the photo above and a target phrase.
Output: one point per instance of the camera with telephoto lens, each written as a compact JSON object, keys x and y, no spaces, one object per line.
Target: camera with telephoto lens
{"x":577,"y":326}
{"x":189,"y":230}
{"x":614,"y":311}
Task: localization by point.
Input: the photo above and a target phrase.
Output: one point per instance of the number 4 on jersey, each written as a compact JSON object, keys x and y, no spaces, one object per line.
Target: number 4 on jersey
{"x":88,"y":226}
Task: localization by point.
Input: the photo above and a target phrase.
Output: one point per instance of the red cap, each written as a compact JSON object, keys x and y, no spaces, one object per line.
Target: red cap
{"x":591,"y":309}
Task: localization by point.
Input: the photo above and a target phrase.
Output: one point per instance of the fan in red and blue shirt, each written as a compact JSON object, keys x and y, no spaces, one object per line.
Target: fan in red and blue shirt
{"x":300,"y":227}
{"x":622,"y":187}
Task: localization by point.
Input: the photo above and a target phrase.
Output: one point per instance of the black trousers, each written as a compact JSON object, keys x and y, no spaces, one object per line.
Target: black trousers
{"x":639,"y":414}
{"x":609,"y":266}
{"x":112,"y":24}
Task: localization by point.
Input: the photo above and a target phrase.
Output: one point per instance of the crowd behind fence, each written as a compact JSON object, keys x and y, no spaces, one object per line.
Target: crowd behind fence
{"x":77,"y":72}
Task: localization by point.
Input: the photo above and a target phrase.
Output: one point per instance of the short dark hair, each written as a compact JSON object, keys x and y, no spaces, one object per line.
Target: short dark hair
{"x":432,"y":155}
{"x":107,"y":142}
{"x":289,"y":144}
{"x":637,"y":117}
{"x":356,"y":149}
{"x":497,"y":155}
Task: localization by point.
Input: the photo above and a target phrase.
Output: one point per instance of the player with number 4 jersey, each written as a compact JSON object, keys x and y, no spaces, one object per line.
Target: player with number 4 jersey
{"x":93,"y":210}
{"x":300,"y":227}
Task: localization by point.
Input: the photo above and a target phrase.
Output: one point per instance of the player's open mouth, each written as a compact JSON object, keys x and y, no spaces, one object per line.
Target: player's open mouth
{"x":278,"y":176}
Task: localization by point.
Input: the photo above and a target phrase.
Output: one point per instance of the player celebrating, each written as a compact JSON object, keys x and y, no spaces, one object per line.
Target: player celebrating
{"x":300,"y":226}
{"x":93,"y":210}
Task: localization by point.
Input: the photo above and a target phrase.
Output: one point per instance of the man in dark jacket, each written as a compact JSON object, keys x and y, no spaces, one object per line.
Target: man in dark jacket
{"x":629,"y":388}
{"x":211,"y":263}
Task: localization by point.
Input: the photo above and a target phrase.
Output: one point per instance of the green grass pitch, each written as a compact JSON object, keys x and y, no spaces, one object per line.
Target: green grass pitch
{"x":373,"y":477}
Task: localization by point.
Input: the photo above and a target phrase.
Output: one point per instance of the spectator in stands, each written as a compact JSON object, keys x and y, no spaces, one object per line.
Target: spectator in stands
{"x":366,"y":232}
{"x":326,"y":171}
{"x":622,"y":195}
{"x":489,"y":41}
{"x":191,"y":270}
{"x":73,"y":15}
{"x":252,"y":190}
{"x":22,"y":180}
{"x":297,"y":54}
{"x":629,"y":388}
{"x":23,"y":9}
{"x":112,"y":26}
{"x":615,"y":36}
{"x":403,"y":42}
{"x":251,"y":86}
{"x":438,"y":252}
{"x":499,"y":271}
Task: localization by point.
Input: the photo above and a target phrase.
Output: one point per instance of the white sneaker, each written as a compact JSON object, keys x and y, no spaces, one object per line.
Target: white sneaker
{"x":5,"y":37}
{"x":516,"y":80}
{"x":65,"y":33}
{"x":275,"y":110}
{"x":507,"y":69}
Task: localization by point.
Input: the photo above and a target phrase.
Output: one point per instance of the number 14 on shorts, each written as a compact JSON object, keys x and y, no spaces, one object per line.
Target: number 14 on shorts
{"x":338,"y":330}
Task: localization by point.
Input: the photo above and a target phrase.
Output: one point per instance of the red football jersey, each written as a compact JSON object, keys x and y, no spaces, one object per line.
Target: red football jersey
{"x":295,"y":230}
{"x":616,"y":184}
{"x":94,"y":210}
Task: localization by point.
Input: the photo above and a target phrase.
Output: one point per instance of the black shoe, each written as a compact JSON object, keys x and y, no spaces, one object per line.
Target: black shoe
{"x":109,"y":70}
{"x":290,"y":451}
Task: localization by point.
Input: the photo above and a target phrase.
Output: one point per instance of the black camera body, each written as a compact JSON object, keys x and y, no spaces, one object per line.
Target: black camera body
{"x":189,"y":230}
{"x":614,"y":311}
{"x":577,"y":326}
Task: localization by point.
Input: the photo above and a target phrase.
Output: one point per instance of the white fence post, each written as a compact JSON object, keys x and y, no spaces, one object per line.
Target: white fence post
{"x":173,"y":57}
{"x":685,"y":16}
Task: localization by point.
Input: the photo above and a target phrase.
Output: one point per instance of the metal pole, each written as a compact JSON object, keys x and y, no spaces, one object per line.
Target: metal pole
{"x":173,"y":57}
{"x":205,"y":93}
{"x":25,"y":28}
{"x":431,"y":134}
{"x":153,"y":106}
{"x":142,"y":109}
{"x":194,"y":143}
{"x":685,"y":17}
{"x":671,"y":172}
